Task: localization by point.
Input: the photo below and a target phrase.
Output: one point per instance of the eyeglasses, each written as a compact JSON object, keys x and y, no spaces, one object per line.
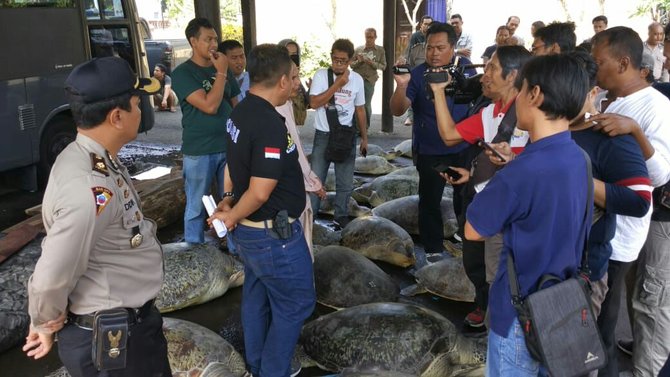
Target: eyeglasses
{"x":339,"y":61}
{"x":535,"y":48}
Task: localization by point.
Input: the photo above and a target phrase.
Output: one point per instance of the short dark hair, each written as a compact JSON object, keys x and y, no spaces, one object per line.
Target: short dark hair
{"x":537,"y":25}
{"x":229,"y":44}
{"x":162,"y":67}
{"x":599,"y":18}
{"x":590,"y":66}
{"x":584,"y":46}
{"x":511,"y":58}
{"x":510,"y":18}
{"x":343,"y":45}
{"x":501,"y":27}
{"x":267,"y":63}
{"x":90,"y":115}
{"x":561,"y":33}
{"x":441,"y":27}
{"x":562,"y":80}
{"x":193,"y":27}
{"x":427,"y":16}
{"x":456,"y":15}
{"x":622,"y":41}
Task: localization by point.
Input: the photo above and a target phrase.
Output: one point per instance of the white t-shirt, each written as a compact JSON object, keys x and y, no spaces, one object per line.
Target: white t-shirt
{"x":346,"y":98}
{"x":649,"y":108}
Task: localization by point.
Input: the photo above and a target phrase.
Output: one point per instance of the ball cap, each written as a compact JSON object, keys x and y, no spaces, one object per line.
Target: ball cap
{"x":102,"y":78}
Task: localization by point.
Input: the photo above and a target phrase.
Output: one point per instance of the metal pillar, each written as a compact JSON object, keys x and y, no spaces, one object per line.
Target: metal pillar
{"x":249,"y":23}
{"x":209,"y":9}
{"x":387,"y":76}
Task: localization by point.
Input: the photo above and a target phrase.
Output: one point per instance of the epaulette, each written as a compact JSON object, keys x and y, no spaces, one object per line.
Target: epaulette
{"x":98,"y":164}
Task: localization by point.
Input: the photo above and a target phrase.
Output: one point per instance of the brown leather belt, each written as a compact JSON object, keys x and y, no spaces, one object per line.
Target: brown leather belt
{"x":262,"y":224}
{"x":135,"y":315}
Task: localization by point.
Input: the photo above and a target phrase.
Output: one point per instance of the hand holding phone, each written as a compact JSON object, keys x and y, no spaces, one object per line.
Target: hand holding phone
{"x":482,"y":144}
{"x":442,"y":168}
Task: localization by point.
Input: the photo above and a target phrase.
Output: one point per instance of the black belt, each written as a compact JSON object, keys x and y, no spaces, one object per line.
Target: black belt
{"x":135,"y":315}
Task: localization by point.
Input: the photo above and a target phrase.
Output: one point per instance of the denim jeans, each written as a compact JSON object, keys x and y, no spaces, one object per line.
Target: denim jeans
{"x":344,"y":174}
{"x":277,"y":296}
{"x":508,"y":356}
{"x":199,"y":173}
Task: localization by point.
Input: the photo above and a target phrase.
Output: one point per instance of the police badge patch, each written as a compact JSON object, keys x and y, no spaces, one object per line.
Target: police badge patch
{"x":102,"y":195}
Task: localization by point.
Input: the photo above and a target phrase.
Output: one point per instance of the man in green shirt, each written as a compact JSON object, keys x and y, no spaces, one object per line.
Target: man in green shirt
{"x":206,"y":103}
{"x":367,"y":60}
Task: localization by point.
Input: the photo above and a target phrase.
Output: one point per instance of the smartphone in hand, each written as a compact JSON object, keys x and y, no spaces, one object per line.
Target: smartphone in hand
{"x":442,"y":168}
{"x":482,"y":144}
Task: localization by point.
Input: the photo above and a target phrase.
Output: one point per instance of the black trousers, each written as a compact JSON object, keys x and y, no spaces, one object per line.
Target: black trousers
{"x":147,"y":350}
{"x":475,"y":269}
{"x":609,"y":314}
{"x":431,"y":186}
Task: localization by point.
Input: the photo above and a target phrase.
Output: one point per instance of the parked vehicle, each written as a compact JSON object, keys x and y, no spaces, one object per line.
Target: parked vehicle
{"x":158,"y":51}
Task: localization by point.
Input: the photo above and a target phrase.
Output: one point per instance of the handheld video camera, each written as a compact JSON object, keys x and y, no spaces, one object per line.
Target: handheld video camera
{"x":463,"y":89}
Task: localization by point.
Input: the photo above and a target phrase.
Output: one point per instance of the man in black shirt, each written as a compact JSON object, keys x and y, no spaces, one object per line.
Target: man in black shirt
{"x":265,"y":194}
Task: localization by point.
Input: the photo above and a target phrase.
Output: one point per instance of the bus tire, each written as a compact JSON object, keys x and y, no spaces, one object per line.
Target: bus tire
{"x":57,"y":135}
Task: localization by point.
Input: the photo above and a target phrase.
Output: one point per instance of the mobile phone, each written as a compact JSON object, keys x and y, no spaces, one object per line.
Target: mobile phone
{"x":482,"y":144}
{"x":401,"y":69}
{"x":442,"y":168}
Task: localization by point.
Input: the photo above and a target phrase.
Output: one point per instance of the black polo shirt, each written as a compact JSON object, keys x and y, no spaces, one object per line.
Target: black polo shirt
{"x":259,"y":145}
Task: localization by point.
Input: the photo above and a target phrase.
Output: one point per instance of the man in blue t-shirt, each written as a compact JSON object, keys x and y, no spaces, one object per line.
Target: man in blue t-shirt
{"x":538,"y":202}
{"x":427,"y":146}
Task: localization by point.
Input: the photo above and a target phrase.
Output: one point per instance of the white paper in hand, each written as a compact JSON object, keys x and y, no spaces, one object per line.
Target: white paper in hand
{"x":210,"y":206}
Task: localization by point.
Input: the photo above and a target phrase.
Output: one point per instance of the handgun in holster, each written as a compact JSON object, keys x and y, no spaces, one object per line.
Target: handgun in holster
{"x":281,"y":225}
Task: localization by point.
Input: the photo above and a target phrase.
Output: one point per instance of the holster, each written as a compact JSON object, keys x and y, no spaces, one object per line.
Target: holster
{"x":281,"y":225}
{"x":110,"y":338}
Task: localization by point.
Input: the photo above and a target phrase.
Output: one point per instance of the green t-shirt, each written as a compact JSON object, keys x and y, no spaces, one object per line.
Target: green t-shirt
{"x":202,"y":133}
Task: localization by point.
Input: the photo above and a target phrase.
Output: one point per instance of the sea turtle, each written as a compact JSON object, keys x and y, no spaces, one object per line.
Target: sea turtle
{"x":345,"y":278}
{"x":372,"y":165}
{"x":388,"y":187}
{"x":193,"y":346}
{"x":323,"y":235}
{"x":353,"y":208}
{"x":407,"y":170}
{"x":380,"y":239}
{"x":405,"y":212}
{"x":195,"y":274}
{"x":404,"y":148}
{"x":376,"y":150}
{"x":14,"y":275}
{"x":391,"y":337}
{"x":445,"y":278}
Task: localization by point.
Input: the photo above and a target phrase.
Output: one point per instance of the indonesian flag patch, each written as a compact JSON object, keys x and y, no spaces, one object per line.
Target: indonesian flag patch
{"x":273,"y":153}
{"x":102,"y":196}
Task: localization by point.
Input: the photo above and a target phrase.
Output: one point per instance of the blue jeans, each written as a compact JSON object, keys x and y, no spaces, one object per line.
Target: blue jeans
{"x":344,"y":174}
{"x":277,"y":296}
{"x":508,"y":356}
{"x":199,"y":173}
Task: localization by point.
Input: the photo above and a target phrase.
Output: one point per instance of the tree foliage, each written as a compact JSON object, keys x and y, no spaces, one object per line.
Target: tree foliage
{"x":657,"y":9}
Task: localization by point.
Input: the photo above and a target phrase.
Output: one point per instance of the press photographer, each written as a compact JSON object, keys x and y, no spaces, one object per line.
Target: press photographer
{"x":427,"y":146}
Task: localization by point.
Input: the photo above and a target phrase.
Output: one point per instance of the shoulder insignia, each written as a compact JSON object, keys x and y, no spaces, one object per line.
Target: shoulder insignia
{"x":102,"y":195}
{"x":99,"y":165}
{"x":290,"y":146}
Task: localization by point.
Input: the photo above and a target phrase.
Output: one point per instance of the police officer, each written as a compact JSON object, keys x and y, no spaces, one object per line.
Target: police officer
{"x":267,"y":182}
{"x":100,"y":252}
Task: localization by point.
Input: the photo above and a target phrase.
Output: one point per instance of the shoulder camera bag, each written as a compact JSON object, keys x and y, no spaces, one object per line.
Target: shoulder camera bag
{"x":340,"y":138}
{"x":558,"y":322}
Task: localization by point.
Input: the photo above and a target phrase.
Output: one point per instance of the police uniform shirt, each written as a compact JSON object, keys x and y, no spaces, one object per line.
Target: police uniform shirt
{"x":260,"y":146}
{"x":100,"y":252}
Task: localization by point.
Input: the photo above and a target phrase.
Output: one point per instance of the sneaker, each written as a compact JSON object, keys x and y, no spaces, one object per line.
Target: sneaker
{"x":409,"y":121}
{"x":295,"y":367}
{"x":475,"y":318}
{"x":626,"y":346}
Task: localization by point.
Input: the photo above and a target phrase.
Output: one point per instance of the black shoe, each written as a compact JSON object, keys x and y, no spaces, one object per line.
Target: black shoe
{"x":626,"y":346}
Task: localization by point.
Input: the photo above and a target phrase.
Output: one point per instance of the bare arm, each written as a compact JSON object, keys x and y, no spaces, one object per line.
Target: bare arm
{"x":322,"y":99}
{"x":399,"y":101}
{"x":258,"y":193}
{"x":209,"y":102}
{"x":445,"y":123}
{"x":471,"y":234}
{"x":599,"y":193}
{"x":362,"y":127}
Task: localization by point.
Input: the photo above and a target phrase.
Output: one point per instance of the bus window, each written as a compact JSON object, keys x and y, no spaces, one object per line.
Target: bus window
{"x":112,"y":41}
{"x":113,"y":9}
{"x":92,"y":11}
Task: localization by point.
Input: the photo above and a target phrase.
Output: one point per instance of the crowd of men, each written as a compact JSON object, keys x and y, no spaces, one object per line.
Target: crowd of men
{"x":524,"y":198}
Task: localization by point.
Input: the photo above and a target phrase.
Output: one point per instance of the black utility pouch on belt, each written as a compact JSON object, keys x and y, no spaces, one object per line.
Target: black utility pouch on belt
{"x":340,"y":138}
{"x":281,"y":225}
{"x":110,"y":337}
